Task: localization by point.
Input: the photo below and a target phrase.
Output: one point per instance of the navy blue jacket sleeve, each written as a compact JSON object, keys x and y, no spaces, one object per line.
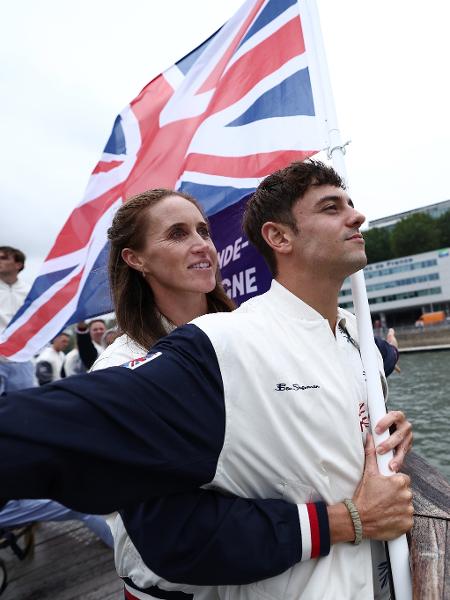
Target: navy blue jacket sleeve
{"x":101,"y":441}
{"x":389,"y":354}
{"x":119,"y":437}
{"x":207,"y":538}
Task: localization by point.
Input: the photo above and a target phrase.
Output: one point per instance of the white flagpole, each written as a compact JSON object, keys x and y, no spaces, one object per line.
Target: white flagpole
{"x":398,"y":548}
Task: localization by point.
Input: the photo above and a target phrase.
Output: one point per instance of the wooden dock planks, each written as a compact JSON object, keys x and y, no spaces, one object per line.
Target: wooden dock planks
{"x":69,"y":563}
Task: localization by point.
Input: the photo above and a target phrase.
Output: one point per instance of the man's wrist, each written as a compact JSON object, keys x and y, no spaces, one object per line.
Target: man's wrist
{"x":341,"y":524}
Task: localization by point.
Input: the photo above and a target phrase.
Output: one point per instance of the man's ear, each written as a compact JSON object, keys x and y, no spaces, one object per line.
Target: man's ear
{"x":278,"y":236}
{"x":132,"y":259}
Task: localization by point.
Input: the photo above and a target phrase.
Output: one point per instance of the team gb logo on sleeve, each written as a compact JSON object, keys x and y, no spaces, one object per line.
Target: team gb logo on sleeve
{"x":143,"y":360}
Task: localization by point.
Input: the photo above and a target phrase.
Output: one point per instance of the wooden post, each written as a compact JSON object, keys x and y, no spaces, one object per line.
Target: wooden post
{"x":430,"y":536}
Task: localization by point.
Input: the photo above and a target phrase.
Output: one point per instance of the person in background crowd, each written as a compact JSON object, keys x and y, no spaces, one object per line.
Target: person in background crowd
{"x":89,"y":341}
{"x":13,"y":291}
{"x":50,"y":362}
{"x":391,"y":340}
{"x":389,"y":351}
{"x":73,"y":364}
{"x":110,"y":336}
{"x":89,"y":344}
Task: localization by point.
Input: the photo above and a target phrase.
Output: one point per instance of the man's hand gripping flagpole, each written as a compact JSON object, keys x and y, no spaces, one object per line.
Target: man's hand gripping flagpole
{"x":324,"y":105}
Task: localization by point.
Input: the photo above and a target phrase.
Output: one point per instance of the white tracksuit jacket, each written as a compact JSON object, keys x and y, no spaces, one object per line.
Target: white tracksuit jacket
{"x":295,"y":425}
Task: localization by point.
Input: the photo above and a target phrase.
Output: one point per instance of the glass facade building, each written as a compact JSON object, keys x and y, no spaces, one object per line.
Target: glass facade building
{"x":401,"y":289}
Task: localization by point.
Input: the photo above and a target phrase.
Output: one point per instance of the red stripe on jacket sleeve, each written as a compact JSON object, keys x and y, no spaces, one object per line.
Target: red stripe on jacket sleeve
{"x":315,"y":531}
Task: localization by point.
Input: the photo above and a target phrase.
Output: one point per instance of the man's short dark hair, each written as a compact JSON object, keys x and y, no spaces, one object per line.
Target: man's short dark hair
{"x":18,"y":255}
{"x":66,"y":333}
{"x":96,"y":321}
{"x":275,"y":197}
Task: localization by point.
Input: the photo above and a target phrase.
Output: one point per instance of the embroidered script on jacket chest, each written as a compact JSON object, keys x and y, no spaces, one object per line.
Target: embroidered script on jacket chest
{"x":294,"y":387}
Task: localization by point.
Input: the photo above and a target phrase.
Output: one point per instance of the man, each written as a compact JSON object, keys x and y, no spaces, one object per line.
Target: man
{"x":13,"y":375}
{"x":264,"y":402}
{"x":50,"y":362}
{"x":89,"y":347}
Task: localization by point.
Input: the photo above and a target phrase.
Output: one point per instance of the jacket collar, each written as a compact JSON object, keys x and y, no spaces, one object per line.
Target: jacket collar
{"x":292,"y":306}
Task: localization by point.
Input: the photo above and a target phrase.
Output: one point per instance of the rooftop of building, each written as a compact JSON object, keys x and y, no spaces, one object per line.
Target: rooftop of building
{"x":434,"y":210}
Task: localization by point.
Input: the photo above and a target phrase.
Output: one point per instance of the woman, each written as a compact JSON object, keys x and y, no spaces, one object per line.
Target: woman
{"x":163,"y":271}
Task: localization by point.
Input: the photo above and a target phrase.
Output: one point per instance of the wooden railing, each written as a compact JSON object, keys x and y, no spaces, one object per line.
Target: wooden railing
{"x":430,"y":536}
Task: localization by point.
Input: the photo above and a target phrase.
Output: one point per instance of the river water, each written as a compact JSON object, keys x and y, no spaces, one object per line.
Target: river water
{"x":422,"y":391}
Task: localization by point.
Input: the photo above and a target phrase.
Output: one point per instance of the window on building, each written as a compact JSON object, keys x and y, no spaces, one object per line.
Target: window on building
{"x":423,"y":264}
{"x":399,"y":282}
{"x":406,"y":295}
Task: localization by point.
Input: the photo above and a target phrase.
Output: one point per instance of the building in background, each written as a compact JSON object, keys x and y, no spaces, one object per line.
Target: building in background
{"x":401,"y":289}
{"x":434,"y":210}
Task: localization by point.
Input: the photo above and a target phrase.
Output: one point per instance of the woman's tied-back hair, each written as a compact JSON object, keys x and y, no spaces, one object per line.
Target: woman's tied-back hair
{"x":275,"y":197}
{"x":134,"y":302}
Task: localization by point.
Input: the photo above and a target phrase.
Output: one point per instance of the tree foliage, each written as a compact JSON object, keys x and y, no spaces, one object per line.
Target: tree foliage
{"x":415,"y":234}
{"x":378,"y":244}
{"x":412,"y":235}
{"x":443,"y":223}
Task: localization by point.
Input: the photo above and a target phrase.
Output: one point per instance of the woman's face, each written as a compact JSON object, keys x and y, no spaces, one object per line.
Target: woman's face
{"x":178,"y":255}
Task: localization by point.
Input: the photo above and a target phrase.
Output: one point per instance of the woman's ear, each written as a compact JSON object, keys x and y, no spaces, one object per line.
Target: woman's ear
{"x":278,"y":236}
{"x":132,"y":259}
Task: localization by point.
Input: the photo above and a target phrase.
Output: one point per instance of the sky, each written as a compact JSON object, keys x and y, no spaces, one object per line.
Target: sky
{"x":68,"y":68}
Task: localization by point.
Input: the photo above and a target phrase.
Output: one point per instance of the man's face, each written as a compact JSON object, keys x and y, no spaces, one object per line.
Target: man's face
{"x":328,"y":242}
{"x":61,"y":342}
{"x":97,"y":329}
{"x":8,"y":266}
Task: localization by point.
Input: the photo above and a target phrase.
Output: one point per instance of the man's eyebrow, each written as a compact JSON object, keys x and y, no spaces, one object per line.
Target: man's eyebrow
{"x":335,"y":198}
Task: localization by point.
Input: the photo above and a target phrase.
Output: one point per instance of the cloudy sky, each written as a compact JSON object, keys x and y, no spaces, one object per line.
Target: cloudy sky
{"x":68,"y":68}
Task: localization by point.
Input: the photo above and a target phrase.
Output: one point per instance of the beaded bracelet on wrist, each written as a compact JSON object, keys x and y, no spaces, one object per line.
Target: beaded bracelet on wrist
{"x":357,"y":525}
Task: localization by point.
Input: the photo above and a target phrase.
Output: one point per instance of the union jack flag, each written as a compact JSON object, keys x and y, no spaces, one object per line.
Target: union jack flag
{"x":243,"y":104}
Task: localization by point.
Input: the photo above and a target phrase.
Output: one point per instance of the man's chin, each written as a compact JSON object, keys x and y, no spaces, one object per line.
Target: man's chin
{"x":362,"y":262}
{"x":360,"y":258}
{"x":356,"y":264}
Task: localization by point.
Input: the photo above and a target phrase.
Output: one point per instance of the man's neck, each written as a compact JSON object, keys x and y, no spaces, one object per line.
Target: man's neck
{"x":318,"y":292}
{"x":9,"y":278}
{"x":181,"y":308}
